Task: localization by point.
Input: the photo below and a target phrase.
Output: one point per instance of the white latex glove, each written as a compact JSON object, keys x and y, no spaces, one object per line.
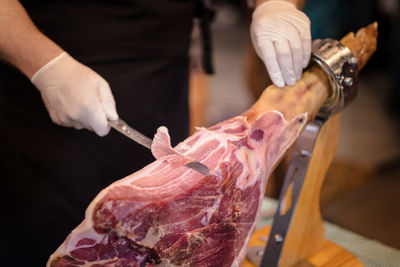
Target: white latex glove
{"x":281,"y":37}
{"x":75,"y":95}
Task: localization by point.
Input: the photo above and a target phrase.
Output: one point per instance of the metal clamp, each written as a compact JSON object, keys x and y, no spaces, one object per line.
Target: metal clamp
{"x":341,"y":67}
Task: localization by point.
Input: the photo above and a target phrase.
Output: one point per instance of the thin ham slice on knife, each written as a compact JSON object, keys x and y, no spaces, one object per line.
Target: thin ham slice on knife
{"x":169,"y":215}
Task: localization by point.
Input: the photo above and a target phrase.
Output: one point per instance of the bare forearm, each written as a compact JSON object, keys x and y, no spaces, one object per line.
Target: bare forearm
{"x":21,"y":43}
{"x":298,"y":3}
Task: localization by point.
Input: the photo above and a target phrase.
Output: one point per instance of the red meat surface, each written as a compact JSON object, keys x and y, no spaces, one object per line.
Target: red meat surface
{"x":169,"y":215}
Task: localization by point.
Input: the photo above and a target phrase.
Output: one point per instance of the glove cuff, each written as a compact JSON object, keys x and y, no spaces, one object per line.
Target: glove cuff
{"x":273,"y":4}
{"x":47,"y":65}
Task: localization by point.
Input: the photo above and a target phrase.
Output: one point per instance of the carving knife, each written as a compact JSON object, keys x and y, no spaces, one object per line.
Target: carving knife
{"x":143,"y":140}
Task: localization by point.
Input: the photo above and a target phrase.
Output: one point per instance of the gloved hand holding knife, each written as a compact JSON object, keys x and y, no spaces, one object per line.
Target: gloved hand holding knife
{"x":78,"y":97}
{"x":75,"y":95}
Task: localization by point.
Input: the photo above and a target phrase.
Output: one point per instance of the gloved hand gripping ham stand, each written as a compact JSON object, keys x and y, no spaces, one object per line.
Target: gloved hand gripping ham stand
{"x":296,"y":237}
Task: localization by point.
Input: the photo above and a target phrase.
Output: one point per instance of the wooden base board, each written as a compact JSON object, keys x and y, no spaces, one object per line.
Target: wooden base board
{"x":330,"y":255}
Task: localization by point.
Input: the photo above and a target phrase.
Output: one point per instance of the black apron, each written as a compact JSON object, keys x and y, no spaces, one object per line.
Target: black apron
{"x":49,"y":174}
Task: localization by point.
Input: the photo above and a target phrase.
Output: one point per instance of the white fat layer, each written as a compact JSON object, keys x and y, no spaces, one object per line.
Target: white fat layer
{"x":205,"y":220}
{"x":248,"y":158}
{"x":206,"y":136}
{"x":152,"y":237}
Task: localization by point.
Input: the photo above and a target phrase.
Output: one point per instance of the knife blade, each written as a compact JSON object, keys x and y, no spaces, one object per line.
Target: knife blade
{"x":131,"y":133}
{"x":143,"y":140}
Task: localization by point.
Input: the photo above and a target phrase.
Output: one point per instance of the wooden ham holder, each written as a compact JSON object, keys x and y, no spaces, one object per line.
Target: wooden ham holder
{"x":304,"y":244}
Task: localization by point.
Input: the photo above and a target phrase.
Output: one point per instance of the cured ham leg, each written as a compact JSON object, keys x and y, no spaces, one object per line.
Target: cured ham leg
{"x":169,"y":215}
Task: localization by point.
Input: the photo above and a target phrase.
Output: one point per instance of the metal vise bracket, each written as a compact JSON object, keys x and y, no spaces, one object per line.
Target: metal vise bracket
{"x":341,"y":67}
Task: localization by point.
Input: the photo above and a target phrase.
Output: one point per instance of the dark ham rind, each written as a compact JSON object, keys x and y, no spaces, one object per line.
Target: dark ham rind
{"x":169,"y":215}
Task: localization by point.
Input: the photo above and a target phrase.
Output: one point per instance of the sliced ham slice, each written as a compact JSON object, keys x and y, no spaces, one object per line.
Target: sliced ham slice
{"x":162,"y":149}
{"x":170,"y":215}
